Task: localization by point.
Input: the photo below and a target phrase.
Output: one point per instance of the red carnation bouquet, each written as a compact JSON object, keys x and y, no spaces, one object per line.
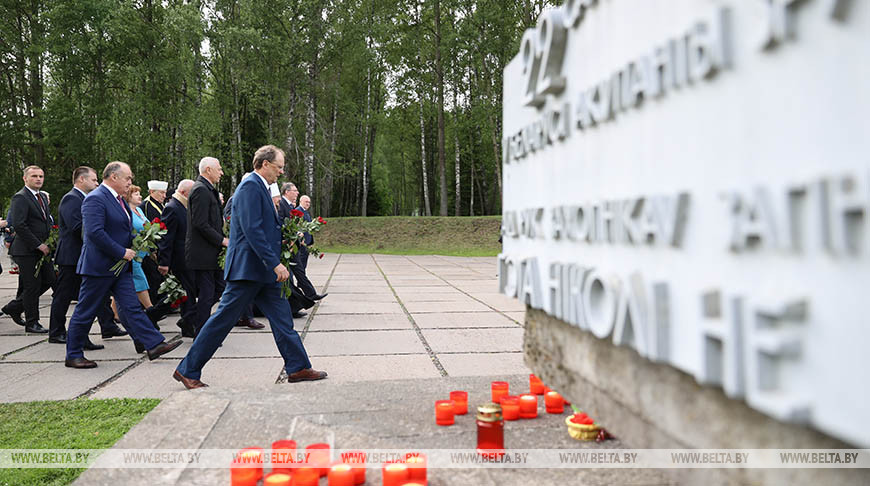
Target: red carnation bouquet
{"x":51,"y":243}
{"x":144,"y":241}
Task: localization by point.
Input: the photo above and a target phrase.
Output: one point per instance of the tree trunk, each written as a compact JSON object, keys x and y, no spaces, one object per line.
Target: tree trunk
{"x":290,"y":141}
{"x":423,"y":159}
{"x":439,"y":74}
{"x":458,"y":198}
{"x":365,"y":181}
{"x":326,"y":197}
{"x":309,"y":129}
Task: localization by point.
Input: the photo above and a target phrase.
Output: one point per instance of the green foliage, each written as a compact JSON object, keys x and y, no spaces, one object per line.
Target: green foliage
{"x":68,"y":424}
{"x":336,"y":84}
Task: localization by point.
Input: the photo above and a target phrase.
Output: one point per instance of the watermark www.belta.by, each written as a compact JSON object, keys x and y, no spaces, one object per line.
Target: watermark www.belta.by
{"x":443,"y":458}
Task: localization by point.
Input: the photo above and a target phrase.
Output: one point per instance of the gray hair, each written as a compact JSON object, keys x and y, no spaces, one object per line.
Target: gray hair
{"x":287,"y":187}
{"x":207,"y":162}
{"x":184,"y":185}
{"x":112,"y":168}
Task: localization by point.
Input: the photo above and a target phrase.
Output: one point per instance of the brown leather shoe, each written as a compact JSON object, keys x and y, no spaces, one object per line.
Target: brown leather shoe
{"x":187,"y":382}
{"x":162,"y":349}
{"x":308,"y":374}
{"x":80,"y":363}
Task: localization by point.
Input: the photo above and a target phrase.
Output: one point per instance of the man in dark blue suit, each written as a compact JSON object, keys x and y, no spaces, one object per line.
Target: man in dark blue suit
{"x":286,"y":204}
{"x":171,"y":256}
{"x":253,"y":272}
{"x":69,"y":249}
{"x":308,"y":239}
{"x":107,"y":231}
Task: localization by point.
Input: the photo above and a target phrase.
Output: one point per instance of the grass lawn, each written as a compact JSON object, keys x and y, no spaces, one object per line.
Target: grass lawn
{"x":408,"y":235}
{"x":67,"y":424}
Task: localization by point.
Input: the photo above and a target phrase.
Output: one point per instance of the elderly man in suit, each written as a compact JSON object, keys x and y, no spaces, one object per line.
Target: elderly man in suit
{"x":205,"y":238}
{"x":32,"y":220}
{"x":107,"y":231}
{"x":171,"y":256}
{"x":287,"y":203}
{"x":253,"y":273}
{"x":69,"y":249}
{"x":152,"y":207}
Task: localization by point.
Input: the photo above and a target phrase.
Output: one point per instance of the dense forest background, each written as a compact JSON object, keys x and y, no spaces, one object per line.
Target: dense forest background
{"x":384,"y":107}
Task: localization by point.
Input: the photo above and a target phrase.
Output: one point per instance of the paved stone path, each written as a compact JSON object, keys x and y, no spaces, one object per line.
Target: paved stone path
{"x":386,"y":317}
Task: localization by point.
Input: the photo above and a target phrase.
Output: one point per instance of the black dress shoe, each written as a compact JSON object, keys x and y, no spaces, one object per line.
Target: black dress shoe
{"x":35,"y":328}
{"x":58,"y":340}
{"x":162,"y":349}
{"x":318,"y":296}
{"x":80,"y":363}
{"x":299,"y":315}
{"x":89,"y":346}
{"x":117,"y":332}
{"x":140,"y":348}
{"x":250,"y":323}
{"x":16,"y":316}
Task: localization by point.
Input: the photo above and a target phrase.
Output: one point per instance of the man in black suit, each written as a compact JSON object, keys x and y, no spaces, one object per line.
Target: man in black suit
{"x":287,"y":203}
{"x":69,"y":250}
{"x":170,"y":254}
{"x":32,"y":221}
{"x":308,"y":239}
{"x":205,"y":238}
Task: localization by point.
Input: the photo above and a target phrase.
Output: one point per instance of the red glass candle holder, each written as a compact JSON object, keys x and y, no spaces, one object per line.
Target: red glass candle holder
{"x":510,"y":407}
{"x":536,"y":386}
{"x":319,"y":457}
{"x":528,"y":406}
{"x":499,"y":389}
{"x":394,"y":473}
{"x":306,"y":476}
{"x":444,"y":412}
{"x":278,"y":479}
{"x":547,"y":389}
{"x":417,"y":464}
{"x":283,"y":455}
{"x":243,"y":476}
{"x":490,"y":430}
{"x":554,"y":403}
{"x":250,"y":458}
{"x":460,"y":402}
{"x":357,"y":461}
{"x":340,"y":475}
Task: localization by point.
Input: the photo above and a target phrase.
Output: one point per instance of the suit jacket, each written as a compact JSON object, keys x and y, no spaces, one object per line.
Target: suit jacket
{"x":255,"y":234}
{"x":170,"y":248}
{"x":205,"y":226}
{"x":151,"y":208}
{"x":107,"y":232}
{"x":32,"y":226}
{"x":69,"y":215}
{"x":308,"y":238}
{"x":284,"y":209}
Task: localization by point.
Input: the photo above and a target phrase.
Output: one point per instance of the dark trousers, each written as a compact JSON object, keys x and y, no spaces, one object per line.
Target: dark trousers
{"x":152,"y":275}
{"x":31,"y":287}
{"x":92,"y":296}
{"x":238,"y":296}
{"x":65,"y":290}
{"x":301,"y":279}
{"x":209,"y":287}
{"x":303,"y":257}
{"x":188,"y":283}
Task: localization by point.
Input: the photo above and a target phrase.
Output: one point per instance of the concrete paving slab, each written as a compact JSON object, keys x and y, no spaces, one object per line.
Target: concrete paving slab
{"x":520,"y":317}
{"x":338,"y":307}
{"x":444,"y":307}
{"x":417,"y":282}
{"x":237,"y":345}
{"x":363,"y":342}
{"x":417,"y":289}
{"x":370,"y":368}
{"x":24,"y":382}
{"x":346,"y":322}
{"x":474,"y":340}
{"x":116,"y":348}
{"x":456,"y":297}
{"x":484,"y":364}
{"x":12,"y":343}
{"x":462,"y":319}
{"x":385,"y":296}
{"x":501,"y":302}
{"x":354,"y":289}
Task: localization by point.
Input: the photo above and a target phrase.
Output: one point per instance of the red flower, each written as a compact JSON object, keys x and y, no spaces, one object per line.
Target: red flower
{"x":321,"y":255}
{"x":54,"y":226}
{"x":155,"y":220}
{"x":296,"y":213}
{"x":321,"y":220}
{"x":183,"y":299}
{"x":175,"y":304}
{"x":162,"y":225}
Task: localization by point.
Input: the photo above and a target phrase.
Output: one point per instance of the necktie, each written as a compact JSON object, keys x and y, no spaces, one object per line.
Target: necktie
{"x":121,"y":202}
{"x":41,"y":205}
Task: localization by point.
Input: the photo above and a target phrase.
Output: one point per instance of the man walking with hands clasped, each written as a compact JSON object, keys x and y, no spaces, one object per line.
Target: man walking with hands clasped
{"x":253,"y":272}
